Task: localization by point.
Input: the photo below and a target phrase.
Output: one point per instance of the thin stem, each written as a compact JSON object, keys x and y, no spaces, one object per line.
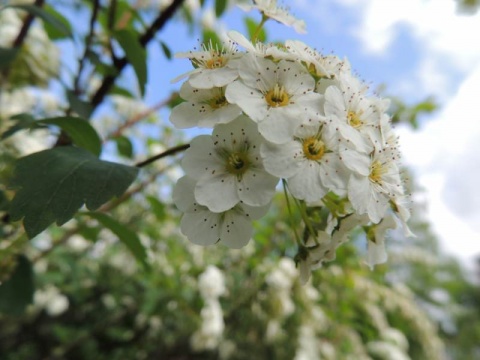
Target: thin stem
{"x":156,"y":26}
{"x":135,"y":119}
{"x":259,"y":28}
{"x":166,"y":153}
{"x":88,"y":42}
{"x":292,"y":224}
{"x":26,"y":26}
{"x":306,"y":220}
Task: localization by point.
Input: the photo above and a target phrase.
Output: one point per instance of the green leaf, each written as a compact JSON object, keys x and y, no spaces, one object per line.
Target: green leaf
{"x":82,"y":133}
{"x":125,"y":235}
{"x":135,"y":54}
{"x":166,"y":50}
{"x":3,"y":201}
{"x":124,"y":146}
{"x":56,"y":20}
{"x":220,"y":7}
{"x":157,"y":207}
{"x":82,"y":108}
{"x":53,"y":184}
{"x":7,"y":56}
{"x":117,"y":90}
{"x":17,"y":292}
{"x":210,"y":36}
{"x":252,"y":27}
{"x":53,"y":32}
{"x":23,"y":121}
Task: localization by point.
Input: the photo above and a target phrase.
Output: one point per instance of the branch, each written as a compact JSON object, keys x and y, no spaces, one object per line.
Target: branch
{"x":135,"y":119}
{"x":88,"y":42}
{"x":26,"y":26}
{"x":166,"y":153}
{"x":156,"y":26}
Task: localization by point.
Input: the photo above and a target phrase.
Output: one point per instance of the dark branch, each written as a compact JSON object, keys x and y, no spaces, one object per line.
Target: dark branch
{"x":156,"y":26}
{"x":166,"y":153}
{"x":26,"y":26}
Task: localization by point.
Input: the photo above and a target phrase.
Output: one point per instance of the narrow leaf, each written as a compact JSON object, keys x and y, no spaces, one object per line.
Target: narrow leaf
{"x":53,"y":31}
{"x":82,"y":108}
{"x":135,"y":54}
{"x":53,"y":184}
{"x":220,"y":7}
{"x":166,"y":50}
{"x":82,"y":133}
{"x":46,"y":16}
{"x":22,"y":121}
{"x":125,"y":235}
{"x":124,"y":146}
{"x":17,"y":292}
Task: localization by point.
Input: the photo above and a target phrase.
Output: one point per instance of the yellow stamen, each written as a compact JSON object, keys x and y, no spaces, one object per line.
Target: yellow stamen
{"x":377,"y":170}
{"x":354,"y":119}
{"x":277,"y":97}
{"x":237,"y":163}
{"x":313,"y":148}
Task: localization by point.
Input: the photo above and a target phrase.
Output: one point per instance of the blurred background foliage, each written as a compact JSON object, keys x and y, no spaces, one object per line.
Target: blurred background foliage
{"x":77,"y":292}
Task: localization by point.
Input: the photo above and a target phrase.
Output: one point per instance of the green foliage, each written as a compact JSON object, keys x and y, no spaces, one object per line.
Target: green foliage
{"x":410,"y":113}
{"x":53,"y":184}
{"x":220,"y":7}
{"x":124,"y":146}
{"x":135,"y":54}
{"x":252,"y":27}
{"x":82,"y":108}
{"x":80,"y":131}
{"x":7,"y":56}
{"x":17,"y":292}
{"x":125,"y":235}
{"x":59,"y":27}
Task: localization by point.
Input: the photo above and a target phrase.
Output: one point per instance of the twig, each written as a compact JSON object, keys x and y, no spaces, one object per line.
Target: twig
{"x":26,"y":26}
{"x":168,"y":152}
{"x":135,"y":119}
{"x":88,"y":42}
{"x":157,"y":25}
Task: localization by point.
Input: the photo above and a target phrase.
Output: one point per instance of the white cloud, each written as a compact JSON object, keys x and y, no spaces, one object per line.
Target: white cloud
{"x":445,"y":155}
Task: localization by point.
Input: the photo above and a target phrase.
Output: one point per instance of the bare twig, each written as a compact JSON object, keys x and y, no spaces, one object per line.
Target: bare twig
{"x":166,"y":153}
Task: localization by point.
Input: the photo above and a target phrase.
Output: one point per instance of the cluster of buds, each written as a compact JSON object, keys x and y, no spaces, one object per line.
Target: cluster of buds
{"x":286,"y":112}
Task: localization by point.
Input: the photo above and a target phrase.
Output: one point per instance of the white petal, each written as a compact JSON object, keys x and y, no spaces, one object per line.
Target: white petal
{"x":356,"y":161}
{"x":254,"y":212}
{"x":236,"y":230}
{"x":282,"y":160}
{"x":201,"y":227}
{"x":201,"y":157}
{"x":217,"y":192}
{"x":257,"y":187}
{"x":359,"y":192}
{"x":278,"y":127}
{"x":306,"y":184}
{"x":251,"y":101}
{"x":183,"y":195}
{"x":376,"y":254}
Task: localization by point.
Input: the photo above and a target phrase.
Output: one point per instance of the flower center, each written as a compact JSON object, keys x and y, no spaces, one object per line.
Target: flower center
{"x":218,"y":102}
{"x":277,"y":97}
{"x":237,"y":163}
{"x":313,"y":148}
{"x":376,"y":172}
{"x":215,"y":62}
{"x":354,"y":119}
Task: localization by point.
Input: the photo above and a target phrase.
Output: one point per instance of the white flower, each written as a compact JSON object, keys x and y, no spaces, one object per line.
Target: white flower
{"x":214,"y":67}
{"x":210,"y":333}
{"x":203,"y":227}
{"x":203,"y":108}
{"x":211,"y":283}
{"x":309,"y":162}
{"x":370,"y":194}
{"x":311,"y":256}
{"x":270,"y":9}
{"x":356,"y":116}
{"x":376,"y":253}
{"x":278,"y":96}
{"x":228,"y":167}
{"x":50,"y":299}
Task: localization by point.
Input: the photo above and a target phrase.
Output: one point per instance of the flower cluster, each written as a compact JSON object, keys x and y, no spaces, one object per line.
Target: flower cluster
{"x":286,"y":112}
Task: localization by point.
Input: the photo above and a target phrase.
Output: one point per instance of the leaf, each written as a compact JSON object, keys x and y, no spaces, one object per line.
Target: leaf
{"x":117,"y":90}
{"x":7,"y":56}
{"x":82,"y":108}
{"x":82,"y":133}
{"x":135,"y":54}
{"x":166,"y":50}
{"x":52,"y":19}
{"x":157,"y":207}
{"x":23,"y":121}
{"x":125,"y":235}
{"x":3,"y":201}
{"x":53,"y":32}
{"x":124,"y":146}
{"x":53,"y":184}
{"x":17,"y":292}
{"x":220,"y":7}
{"x":211,"y":37}
{"x":252,"y":27}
